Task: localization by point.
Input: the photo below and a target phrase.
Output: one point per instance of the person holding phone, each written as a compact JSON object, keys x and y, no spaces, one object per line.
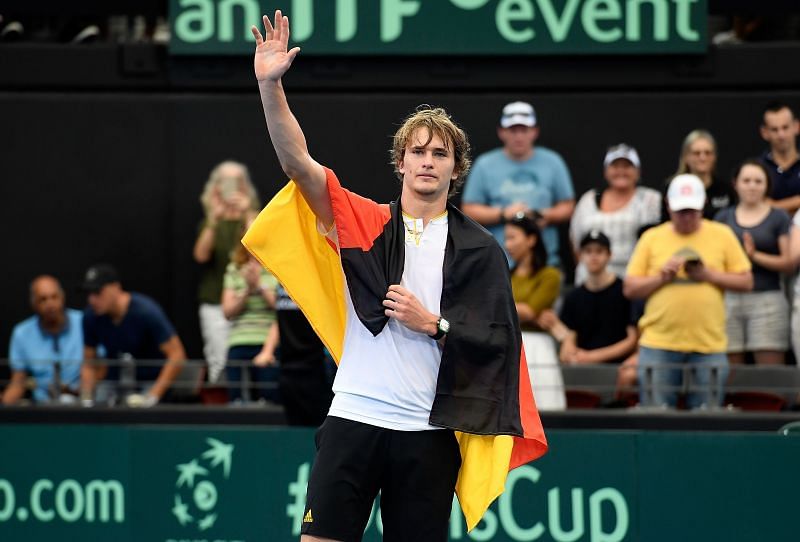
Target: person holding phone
{"x":681,"y":268}
{"x":230,"y":201}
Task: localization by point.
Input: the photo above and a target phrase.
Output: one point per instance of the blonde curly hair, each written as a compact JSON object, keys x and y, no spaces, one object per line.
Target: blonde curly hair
{"x":214,"y":179}
{"x":437,"y":122}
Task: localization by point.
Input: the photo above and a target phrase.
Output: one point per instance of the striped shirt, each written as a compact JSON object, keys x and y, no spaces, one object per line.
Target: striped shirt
{"x":249,"y":327}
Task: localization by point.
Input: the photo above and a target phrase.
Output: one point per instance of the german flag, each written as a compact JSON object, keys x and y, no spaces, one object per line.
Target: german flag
{"x":483,"y":391}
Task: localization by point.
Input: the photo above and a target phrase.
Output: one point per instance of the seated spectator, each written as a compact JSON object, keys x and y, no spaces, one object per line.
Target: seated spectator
{"x":535,"y":287}
{"x":248,"y":301}
{"x":682,"y":268}
{"x":699,"y":157}
{"x":47,"y":347}
{"x":597,"y":315}
{"x":758,"y":321}
{"x":125,"y":327}
{"x":780,"y":128}
{"x":619,"y":210}
{"x":229,"y":201}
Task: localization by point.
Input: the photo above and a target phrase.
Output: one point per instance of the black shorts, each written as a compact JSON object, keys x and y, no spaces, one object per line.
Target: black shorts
{"x":415,"y":471}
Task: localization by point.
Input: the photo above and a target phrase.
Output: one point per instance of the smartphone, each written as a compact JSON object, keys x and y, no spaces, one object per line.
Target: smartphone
{"x":228,"y":186}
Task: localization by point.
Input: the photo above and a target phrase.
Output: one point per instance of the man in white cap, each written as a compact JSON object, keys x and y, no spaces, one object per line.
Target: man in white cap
{"x":682,"y":268}
{"x":518,"y":179}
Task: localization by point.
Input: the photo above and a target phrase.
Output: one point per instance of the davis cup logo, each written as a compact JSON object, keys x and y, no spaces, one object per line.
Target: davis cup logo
{"x":195,"y":492}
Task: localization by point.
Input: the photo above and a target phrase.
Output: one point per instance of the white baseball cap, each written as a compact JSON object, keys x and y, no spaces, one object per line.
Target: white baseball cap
{"x":622,"y":151}
{"x":686,"y":192}
{"x":518,"y":113}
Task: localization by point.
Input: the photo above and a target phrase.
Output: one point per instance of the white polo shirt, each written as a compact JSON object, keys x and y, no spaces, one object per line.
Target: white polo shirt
{"x":390,"y":380}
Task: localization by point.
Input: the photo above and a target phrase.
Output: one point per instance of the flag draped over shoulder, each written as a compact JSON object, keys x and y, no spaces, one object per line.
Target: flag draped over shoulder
{"x":483,"y":391}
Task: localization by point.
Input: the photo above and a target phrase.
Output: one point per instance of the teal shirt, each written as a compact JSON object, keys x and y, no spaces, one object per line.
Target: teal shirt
{"x":539,"y":182}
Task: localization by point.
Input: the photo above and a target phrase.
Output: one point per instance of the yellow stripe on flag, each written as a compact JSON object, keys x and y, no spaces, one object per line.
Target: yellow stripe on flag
{"x":484,"y":468}
{"x":284,"y":238}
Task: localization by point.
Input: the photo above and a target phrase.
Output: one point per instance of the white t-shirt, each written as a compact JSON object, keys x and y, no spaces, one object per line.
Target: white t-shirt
{"x":390,"y":380}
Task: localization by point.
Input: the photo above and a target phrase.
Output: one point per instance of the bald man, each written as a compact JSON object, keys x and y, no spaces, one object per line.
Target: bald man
{"x":53,"y":335}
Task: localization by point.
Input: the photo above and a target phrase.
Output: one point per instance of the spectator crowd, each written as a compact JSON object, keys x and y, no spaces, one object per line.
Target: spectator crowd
{"x":694,"y":275}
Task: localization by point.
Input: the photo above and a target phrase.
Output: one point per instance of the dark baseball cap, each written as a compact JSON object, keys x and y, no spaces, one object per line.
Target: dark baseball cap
{"x":98,"y":276}
{"x":596,"y":236}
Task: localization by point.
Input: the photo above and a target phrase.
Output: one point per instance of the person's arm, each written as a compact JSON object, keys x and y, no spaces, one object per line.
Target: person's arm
{"x":91,"y":372}
{"x":204,"y":246}
{"x":569,"y":347}
{"x":272,"y":60}
{"x":542,"y":297}
{"x":790,"y":204}
{"x":613,"y":351}
{"x":176,"y":356}
{"x":641,"y":287}
{"x":233,"y":303}
{"x":737,"y":282}
{"x":267,"y":354}
{"x":557,"y":214}
{"x":794,"y":245}
{"x":487,"y":215}
{"x":781,"y":262}
{"x":16,"y":388}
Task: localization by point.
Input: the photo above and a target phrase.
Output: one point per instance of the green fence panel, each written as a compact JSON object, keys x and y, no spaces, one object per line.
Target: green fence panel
{"x":227,"y":484}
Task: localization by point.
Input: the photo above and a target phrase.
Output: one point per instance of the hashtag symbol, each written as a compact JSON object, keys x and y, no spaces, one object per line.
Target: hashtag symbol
{"x":297,"y":490}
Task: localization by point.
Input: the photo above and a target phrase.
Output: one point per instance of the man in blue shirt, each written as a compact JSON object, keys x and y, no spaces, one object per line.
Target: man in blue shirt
{"x":53,"y":335}
{"x":520,"y":179}
{"x":128,"y":326}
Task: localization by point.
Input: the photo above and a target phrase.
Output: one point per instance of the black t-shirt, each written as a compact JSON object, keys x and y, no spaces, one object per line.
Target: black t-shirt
{"x":139,"y":336}
{"x":598,"y":318}
{"x":785,"y":182}
{"x":300,"y":346}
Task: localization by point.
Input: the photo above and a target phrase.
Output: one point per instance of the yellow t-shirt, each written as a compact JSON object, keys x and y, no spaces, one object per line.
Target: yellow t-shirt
{"x":539,"y":291}
{"x":684,"y":315}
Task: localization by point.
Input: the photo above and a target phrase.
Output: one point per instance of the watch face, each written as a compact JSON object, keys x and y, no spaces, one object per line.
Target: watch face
{"x":444,"y":325}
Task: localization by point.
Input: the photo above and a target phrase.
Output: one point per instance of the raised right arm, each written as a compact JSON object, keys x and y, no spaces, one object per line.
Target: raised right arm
{"x":272,"y":60}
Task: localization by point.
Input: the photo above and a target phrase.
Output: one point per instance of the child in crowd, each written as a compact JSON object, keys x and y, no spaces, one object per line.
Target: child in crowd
{"x":595,"y":324}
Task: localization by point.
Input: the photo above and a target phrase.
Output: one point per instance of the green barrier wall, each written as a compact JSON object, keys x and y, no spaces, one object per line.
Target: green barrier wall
{"x":181,"y":484}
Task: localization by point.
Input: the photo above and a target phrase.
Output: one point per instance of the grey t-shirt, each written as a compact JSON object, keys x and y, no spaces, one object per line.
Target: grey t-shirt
{"x":765,"y":235}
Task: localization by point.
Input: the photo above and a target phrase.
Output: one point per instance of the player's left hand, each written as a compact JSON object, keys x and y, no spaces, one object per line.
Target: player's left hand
{"x":404,"y":307}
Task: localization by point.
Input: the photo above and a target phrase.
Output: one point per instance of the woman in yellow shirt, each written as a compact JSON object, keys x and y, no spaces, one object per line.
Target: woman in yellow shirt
{"x":535,"y":286}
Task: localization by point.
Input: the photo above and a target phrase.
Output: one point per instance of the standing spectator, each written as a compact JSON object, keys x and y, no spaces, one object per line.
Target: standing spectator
{"x":779,"y":128}
{"x":412,"y":392}
{"x":304,"y":387}
{"x":126,"y":327}
{"x":520,"y":178}
{"x":535,"y":287}
{"x":248,"y":301}
{"x":596,"y":314}
{"x":682,"y":268}
{"x":757,"y":321}
{"x":619,"y":210}
{"x":53,"y":335}
{"x":699,"y":157}
{"x":229,"y":200}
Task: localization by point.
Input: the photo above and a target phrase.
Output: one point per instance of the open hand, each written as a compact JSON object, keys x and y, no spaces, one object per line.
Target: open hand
{"x":272,"y":59}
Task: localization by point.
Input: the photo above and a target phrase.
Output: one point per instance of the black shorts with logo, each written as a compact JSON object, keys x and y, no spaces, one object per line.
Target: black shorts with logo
{"x":415,"y":471}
